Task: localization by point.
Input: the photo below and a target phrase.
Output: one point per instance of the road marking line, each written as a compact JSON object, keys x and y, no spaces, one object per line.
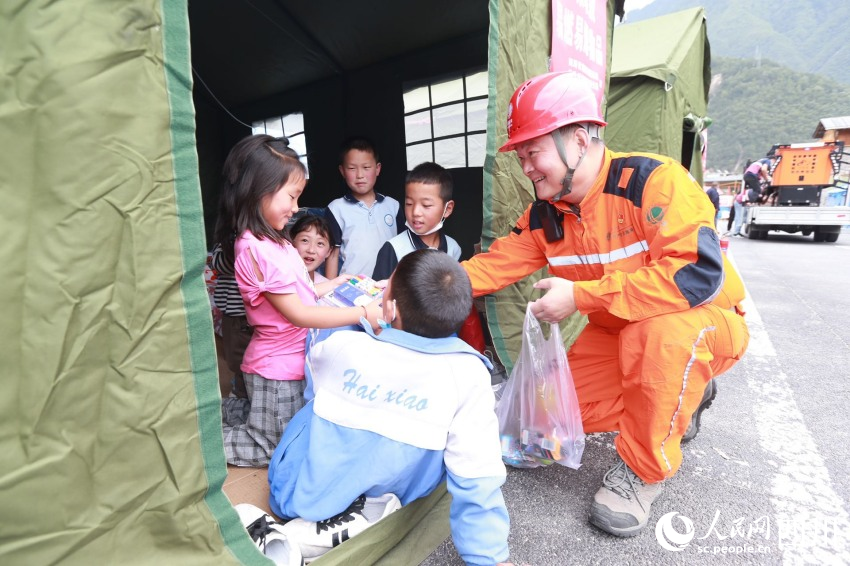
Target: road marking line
{"x":812,"y":525}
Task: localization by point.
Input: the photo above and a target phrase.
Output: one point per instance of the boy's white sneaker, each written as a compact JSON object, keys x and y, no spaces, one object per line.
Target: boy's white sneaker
{"x":316,"y":538}
{"x":266,"y":534}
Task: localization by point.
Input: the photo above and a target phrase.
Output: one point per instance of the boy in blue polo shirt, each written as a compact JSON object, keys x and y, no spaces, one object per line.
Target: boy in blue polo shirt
{"x":362,"y":220}
{"x":427,"y":203}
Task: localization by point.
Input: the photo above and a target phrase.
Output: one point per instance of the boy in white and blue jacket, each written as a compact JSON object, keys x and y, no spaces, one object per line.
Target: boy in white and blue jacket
{"x":400,"y":412}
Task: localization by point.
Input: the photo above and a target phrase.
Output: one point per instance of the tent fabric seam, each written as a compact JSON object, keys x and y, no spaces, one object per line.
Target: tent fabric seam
{"x":187,"y":196}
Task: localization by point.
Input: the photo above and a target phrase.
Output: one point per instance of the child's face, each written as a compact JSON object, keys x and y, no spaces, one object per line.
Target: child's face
{"x":279,"y":207}
{"x":312,"y":247}
{"x":423,"y":207}
{"x":360,"y":171}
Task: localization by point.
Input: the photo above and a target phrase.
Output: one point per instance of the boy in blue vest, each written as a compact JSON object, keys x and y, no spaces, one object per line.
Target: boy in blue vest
{"x":427,"y":203}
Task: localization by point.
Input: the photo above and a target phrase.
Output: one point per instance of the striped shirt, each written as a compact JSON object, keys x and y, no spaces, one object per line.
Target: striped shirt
{"x":226,"y":295}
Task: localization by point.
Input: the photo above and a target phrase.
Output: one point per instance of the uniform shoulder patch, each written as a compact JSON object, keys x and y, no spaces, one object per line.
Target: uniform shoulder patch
{"x":655,"y":215}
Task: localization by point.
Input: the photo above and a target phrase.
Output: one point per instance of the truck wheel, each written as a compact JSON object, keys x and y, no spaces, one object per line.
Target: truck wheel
{"x":831,"y":237}
{"x":820,"y":237}
{"x":763,"y":235}
{"x":753,"y":234}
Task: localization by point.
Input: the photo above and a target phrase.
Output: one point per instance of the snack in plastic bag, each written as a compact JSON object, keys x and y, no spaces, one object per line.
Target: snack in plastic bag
{"x":539,"y":415}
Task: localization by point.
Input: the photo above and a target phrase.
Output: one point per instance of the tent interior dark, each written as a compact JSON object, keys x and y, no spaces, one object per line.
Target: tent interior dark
{"x":344,"y":66}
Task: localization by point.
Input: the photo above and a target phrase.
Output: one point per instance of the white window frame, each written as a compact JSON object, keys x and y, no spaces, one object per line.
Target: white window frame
{"x":277,"y":126}
{"x":466,"y":133}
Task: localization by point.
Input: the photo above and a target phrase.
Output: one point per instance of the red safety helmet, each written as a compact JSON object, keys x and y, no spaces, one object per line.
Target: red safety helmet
{"x":546,"y":102}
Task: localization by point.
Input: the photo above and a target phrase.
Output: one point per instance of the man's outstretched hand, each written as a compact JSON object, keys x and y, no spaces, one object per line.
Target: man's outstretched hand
{"x":558,"y":303}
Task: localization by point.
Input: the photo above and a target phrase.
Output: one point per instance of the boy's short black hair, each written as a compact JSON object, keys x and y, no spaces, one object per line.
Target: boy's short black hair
{"x":432,"y":292}
{"x":309,"y":220}
{"x":430,"y":173}
{"x":359,"y":143}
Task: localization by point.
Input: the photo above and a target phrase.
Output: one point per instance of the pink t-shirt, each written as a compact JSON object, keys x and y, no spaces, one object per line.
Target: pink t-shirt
{"x":755,"y":168}
{"x":276,"y":350}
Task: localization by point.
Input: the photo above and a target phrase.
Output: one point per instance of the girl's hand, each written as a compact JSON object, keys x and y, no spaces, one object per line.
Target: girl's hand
{"x":340,"y":279}
{"x":382,"y":284}
{"x":374,"y":311}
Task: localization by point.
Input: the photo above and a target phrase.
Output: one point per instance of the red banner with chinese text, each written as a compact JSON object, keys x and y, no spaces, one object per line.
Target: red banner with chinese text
{"x":579,"y":40}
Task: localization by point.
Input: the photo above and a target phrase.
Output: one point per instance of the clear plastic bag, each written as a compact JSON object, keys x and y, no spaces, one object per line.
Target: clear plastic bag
{"x":539,"y":415}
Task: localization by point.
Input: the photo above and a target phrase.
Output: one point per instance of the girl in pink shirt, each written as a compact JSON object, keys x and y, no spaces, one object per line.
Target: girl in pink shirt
{"x":263,"y":180}
{"x":311,"y":236}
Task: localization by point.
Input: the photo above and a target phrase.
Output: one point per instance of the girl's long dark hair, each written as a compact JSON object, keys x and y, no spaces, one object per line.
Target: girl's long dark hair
{"x":257,"y":166}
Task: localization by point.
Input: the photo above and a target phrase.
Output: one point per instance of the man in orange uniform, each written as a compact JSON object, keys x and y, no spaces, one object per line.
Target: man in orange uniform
{"x":629,"y":240}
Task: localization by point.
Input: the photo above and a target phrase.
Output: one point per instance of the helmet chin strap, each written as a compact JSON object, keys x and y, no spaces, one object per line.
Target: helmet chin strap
{"x":567,"y":181}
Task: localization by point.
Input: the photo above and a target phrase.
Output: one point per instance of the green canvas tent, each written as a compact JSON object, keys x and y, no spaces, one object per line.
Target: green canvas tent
{"x":111,"y":424}
{"x":658,"y":93}
{"x":520,"y":48}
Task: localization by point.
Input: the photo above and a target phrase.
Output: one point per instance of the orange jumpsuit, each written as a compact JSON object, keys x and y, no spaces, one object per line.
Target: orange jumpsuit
{"x":662,"y":301}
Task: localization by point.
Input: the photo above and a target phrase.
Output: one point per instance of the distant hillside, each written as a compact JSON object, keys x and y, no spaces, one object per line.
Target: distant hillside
{"x":805,"y":35}
{"x":754,"y":106}
{"x":778,"y":67}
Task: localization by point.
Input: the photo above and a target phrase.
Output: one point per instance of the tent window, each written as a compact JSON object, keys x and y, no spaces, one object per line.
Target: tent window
{"x":445,"y":121}
{"x":291,"y":126}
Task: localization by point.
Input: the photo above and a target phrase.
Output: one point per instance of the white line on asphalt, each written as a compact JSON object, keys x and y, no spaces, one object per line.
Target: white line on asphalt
{"x":810,"y":523}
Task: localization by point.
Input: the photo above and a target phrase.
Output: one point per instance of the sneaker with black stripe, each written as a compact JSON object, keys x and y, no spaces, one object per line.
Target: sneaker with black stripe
{"x":316,"y":538}
{"x":268,"y":536}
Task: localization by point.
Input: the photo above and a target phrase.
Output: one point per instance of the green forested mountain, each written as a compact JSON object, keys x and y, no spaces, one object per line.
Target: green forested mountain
{"x":755,"y":105}
{"x":778,"y":68}
{"x":805,"y":35}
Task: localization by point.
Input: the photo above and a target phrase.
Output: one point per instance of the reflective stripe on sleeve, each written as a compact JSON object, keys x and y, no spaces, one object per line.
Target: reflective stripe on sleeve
{"x":592,"y":259}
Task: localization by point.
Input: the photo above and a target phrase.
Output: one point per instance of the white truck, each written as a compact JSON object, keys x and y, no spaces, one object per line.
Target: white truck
{"x":807,"y":193}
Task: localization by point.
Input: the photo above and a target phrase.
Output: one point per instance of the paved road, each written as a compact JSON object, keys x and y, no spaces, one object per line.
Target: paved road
{"x":766,"y":481}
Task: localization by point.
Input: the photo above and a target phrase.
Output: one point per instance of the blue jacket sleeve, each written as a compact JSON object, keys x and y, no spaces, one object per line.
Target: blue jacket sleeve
{"x":479,"y":519}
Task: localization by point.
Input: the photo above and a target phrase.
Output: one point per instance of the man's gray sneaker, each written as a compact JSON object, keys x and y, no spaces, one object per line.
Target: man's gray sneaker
{"x":707,"y":397}
{"x":623,"y":503}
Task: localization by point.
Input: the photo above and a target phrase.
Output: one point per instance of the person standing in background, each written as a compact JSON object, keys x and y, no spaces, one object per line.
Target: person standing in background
{"x":363,"y":219}
{"x":714,"y":197}
{"x":757,"y":172}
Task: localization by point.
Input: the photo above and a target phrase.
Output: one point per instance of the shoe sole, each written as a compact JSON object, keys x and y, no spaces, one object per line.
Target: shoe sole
{"x":702,"y":407}
{"x":602,"y":524}
{"x":600,"y":521}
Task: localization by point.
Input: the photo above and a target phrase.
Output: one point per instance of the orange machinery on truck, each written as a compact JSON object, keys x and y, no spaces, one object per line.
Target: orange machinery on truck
{"x":807,"y":193}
